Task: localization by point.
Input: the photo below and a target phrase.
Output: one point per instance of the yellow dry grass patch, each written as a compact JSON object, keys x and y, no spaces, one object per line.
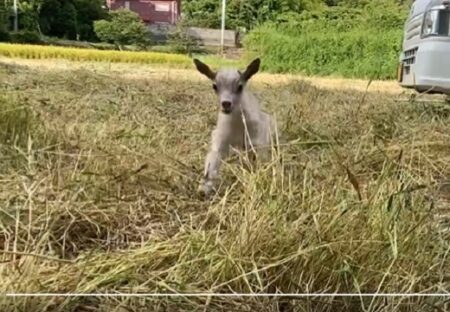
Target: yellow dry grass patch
{"x":142,"y":71}
{"x":76,"y":54}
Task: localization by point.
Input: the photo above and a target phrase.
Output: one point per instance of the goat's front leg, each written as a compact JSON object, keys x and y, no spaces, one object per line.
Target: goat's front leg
{"x":259,"y":149}
{"x":267,"y":132}
{"x":219,"y":151}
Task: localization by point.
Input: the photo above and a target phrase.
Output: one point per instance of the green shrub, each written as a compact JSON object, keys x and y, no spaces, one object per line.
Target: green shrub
{"x":124,"y":27}
{"x":26,"y":36}
{"x":181,"y":42}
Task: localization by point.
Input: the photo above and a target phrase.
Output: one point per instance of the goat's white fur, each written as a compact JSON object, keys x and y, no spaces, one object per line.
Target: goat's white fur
{"x":246,"y":128}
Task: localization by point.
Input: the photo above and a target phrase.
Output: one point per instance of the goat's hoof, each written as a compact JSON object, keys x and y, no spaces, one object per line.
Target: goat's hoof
{"x":205,"y":190}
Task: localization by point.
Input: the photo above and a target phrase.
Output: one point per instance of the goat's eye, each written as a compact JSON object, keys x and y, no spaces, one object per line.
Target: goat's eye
{"x":215,"y":87}
{"x":240,"y":88}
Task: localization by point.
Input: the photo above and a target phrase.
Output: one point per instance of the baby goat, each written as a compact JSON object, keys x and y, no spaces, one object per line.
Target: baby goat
{"x":241,"y":123}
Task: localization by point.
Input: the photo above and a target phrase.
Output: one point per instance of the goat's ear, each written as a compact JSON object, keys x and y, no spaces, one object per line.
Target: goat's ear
{"x":252,"y":69}
{"x":204,"y":69}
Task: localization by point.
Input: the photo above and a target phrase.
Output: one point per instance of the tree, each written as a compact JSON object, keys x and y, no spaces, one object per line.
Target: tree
{"x":123,"y":27}
{"x":29,"y":11}
{"x":4,"y":36}
{"x":243,"y":13}
{"x":71,"y":19}
{"x":88,"y":11}
{"x":59,"y":18}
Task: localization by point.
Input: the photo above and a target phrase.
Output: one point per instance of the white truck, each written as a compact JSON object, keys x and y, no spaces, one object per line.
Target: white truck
{"x":425,"y":57}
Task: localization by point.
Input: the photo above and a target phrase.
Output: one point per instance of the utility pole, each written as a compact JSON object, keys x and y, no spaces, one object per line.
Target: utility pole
{"x":16,"y":17}
{"x":224,"y":4}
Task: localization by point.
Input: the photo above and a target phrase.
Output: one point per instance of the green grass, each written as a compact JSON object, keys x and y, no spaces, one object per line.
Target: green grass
{"x":352,"y":54}
{"x":99,"y":195}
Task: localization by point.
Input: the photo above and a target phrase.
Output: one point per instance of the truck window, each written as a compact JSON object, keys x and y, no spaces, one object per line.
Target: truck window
{"x":444,"y":23}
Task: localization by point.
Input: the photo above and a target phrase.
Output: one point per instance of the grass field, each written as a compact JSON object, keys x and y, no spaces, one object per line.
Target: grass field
{"x":99,"y":167}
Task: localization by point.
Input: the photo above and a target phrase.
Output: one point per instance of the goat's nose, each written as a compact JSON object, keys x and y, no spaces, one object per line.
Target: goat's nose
{"x":226,"y":105}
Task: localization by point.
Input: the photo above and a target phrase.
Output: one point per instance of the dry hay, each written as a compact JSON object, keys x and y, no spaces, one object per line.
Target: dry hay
{"x":98,"y":176}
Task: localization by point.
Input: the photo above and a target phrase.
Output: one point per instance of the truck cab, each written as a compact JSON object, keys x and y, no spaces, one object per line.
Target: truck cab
{"x":424,"y":63}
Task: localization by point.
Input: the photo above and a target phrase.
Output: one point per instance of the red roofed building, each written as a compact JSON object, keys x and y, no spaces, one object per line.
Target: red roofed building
{"x":151,"y":11}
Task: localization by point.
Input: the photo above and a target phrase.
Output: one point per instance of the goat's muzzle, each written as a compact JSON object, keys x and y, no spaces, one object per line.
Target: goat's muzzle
{"x":226,"y":107}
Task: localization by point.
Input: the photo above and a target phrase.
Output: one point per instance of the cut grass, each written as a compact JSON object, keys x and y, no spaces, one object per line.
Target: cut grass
{"x":152,"y":72}
{"x":101,"y":197}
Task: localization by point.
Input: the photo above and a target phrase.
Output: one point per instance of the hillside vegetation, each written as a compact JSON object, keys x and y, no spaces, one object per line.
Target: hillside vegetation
{"x":362,"y":41}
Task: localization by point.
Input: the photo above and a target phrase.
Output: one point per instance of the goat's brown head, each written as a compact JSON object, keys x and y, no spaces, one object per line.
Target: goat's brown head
{"x":229,"y":84}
